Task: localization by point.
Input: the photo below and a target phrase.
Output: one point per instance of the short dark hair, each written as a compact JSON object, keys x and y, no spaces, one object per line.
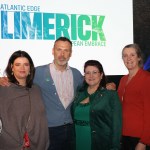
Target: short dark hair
{"x":8,"y":69}
{"x":63,"y":39}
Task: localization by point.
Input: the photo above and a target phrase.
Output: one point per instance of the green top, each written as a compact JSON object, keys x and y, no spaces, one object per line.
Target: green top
{"x":82,"y":126}
{"x":100,"y":126}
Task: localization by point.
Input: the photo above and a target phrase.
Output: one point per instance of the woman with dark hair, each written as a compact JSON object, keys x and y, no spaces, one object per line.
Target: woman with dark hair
{"x":134,"y":92}
{"x":96,"y":112}
{"x":23,"y":123}
{"x":9,"y":69}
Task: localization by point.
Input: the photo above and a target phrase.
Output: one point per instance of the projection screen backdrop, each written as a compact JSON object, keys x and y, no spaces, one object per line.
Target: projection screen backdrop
{"x":99,"y":30}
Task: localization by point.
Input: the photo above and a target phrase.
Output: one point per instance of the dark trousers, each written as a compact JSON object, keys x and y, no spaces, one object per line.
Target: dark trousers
{"x":129,"y":143}
{"x":61,"y":137}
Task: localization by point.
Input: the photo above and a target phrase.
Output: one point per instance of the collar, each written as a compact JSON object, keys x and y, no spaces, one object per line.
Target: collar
{"x":54,"y":66}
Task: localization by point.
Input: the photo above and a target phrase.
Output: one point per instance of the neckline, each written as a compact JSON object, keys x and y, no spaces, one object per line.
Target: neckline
{"x":84,"y":104}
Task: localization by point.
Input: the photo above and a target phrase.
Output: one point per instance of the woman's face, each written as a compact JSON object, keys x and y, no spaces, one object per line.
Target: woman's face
{"x":93,"y":76}
{"x":21,"y":68}
{"x":130,"y":58}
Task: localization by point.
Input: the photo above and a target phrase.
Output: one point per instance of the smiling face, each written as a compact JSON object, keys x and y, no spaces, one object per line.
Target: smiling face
{"x":93,"y":76}
{"x":21,"y":69}
{"x":130,"y":58}
{"x":62,"y":53}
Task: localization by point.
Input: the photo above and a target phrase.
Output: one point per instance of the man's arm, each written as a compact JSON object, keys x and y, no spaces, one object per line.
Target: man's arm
{"x":4,"y":81}
{"x":111,"y":86}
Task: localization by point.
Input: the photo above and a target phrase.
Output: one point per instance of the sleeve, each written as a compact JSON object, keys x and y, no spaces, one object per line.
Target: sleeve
{"x":117,"y":122}
{"x":36,"y":76}
{"x":145,"y":137}
{"x":121,"y":87}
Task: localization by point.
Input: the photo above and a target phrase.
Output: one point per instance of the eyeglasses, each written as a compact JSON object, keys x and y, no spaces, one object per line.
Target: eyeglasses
{"x":91,"y":73}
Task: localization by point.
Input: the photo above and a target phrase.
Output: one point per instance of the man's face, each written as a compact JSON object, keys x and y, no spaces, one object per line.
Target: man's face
{"x":62,"y":52}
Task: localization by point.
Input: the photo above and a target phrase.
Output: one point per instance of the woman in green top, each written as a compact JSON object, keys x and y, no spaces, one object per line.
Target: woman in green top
{"x":96,"y":112}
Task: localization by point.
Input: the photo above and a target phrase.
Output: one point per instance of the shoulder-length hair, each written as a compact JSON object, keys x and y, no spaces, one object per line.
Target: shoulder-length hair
{"x":8,"y":70}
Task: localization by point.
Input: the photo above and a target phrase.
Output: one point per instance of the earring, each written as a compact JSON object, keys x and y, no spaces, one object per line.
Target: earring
{"x":12,"y":73}
{"x":29,"y":73}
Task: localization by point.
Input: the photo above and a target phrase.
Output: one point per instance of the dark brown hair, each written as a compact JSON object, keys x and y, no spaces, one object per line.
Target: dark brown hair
{"x":99,"y":66}
{"x":8,"y":69}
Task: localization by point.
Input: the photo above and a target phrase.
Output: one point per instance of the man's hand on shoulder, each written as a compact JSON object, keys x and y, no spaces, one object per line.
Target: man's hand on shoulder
{"x":111,"y":86}
{"x":4,"y":81}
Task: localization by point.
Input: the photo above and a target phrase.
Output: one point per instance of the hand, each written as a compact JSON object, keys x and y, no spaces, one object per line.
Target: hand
{"x":4,"y":81}
{"x":140,"y":146}
{"x":111,"y":86}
